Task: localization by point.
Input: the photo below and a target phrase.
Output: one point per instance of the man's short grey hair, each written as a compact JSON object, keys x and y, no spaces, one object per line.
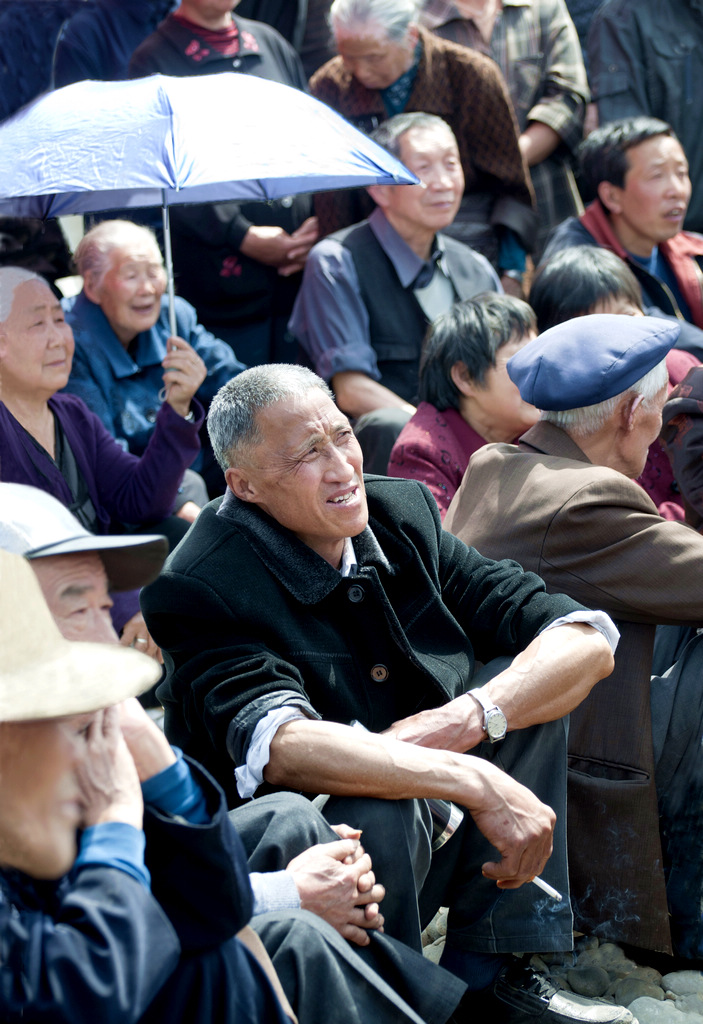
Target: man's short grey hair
{"x":393,"y":16}
{"x":93,"y":253}
{"x":592,"y":418}
{"x":10,"y":279}
{"x":390,"y":133}
{"x":232,"y":419}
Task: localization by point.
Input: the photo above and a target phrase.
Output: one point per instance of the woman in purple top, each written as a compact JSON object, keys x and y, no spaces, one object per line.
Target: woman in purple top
{"x":54,"y":442}
{"x":466,"y":396}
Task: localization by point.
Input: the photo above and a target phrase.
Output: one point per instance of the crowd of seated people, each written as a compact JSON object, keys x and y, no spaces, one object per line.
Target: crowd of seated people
{"x":483,"y":656}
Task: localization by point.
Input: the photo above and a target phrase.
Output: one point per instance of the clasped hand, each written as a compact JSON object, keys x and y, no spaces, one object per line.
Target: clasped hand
{"x":335,"y":881}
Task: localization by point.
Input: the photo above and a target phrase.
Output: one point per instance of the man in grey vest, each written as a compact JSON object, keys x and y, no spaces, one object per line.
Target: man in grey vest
{"x":370,"y":291}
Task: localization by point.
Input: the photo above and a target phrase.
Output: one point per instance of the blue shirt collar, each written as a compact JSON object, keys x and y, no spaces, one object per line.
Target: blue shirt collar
{"x":406,"y":263}
{"x":147,"y":350}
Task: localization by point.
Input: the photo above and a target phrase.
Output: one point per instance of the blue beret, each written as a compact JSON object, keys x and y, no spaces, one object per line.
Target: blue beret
{"x":590,"y":359}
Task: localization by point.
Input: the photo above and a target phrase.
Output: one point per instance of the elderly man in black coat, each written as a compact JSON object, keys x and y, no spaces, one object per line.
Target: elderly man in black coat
{"x":309,"y":600}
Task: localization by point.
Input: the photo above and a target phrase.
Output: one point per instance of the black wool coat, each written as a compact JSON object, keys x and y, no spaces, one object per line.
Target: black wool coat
{"x":249,"y":619}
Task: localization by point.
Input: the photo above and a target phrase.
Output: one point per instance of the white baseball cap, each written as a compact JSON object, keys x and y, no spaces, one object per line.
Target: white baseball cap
{"x":34,"y":524}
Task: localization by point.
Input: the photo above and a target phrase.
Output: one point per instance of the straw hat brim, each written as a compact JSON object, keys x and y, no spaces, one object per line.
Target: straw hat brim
{"x":75,"y":679}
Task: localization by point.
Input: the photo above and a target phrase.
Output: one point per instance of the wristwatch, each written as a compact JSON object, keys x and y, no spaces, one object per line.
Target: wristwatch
{"x":494,"y":721}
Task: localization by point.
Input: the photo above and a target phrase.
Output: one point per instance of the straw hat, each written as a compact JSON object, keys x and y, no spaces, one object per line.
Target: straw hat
{"x":44,"y":676}
{"x":35,"y":524}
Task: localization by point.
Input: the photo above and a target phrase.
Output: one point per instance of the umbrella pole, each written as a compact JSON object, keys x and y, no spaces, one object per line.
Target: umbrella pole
{"x":169,"y":263}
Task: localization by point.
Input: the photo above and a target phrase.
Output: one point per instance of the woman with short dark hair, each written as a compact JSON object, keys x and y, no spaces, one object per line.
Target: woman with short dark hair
{"x":466,"y":396}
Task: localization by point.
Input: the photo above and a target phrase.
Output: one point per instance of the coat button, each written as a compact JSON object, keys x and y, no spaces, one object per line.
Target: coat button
{"x":236,"y":62}
{"x":379,"y":673}
{"x":355,"y":593}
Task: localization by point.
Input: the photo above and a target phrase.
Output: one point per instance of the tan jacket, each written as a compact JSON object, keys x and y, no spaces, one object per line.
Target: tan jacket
{"x":593,"y":534}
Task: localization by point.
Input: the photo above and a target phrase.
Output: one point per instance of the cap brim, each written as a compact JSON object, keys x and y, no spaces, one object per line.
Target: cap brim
{"x":130,"y":561}
{"x":76,"y":679}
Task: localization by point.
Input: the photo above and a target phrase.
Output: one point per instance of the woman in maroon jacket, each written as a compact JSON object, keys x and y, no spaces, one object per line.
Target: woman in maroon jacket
{"x":466,"y":397}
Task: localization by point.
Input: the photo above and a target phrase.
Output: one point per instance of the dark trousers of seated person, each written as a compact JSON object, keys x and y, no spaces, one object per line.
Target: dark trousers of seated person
{"x":677,"y":734}
{"x":482,"y":917}
{"x":384,"y":982}
{"x":377,"y":432}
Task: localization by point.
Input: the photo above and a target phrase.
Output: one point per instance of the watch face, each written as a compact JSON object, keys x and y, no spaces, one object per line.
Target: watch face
{"x":496,"y":725}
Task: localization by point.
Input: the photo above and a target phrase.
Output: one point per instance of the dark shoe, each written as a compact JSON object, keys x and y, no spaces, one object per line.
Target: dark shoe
{"x":520,"y":995}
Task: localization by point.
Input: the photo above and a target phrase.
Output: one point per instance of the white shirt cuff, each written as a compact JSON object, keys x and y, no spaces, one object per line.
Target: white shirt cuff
{"x":274,"y":891}
{"x":599,"y":620}
{"x":250,"y":775}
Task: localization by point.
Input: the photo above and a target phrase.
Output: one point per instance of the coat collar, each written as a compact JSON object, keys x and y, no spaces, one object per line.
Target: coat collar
{"x":303,"y":572}
{"x":547,"y":439}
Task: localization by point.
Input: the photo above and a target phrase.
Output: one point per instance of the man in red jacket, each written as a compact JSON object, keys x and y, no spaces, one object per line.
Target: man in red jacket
{"x":639,"y":172}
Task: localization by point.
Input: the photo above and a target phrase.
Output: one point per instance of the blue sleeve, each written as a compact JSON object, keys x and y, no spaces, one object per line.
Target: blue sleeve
{"x":511,"y":252}
{"x":114,"y":844}
{"x":329,"y":318}
{"x":174,"y":791}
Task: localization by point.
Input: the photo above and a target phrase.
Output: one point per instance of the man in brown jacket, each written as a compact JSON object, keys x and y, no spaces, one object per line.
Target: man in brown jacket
{"x":563,"y":502}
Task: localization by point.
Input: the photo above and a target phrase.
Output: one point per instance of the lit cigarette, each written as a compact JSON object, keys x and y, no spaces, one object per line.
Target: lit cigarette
{"x":545,"y":887}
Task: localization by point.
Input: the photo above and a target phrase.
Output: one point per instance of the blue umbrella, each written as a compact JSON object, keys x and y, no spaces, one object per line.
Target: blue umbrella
{"x":159,"y":141}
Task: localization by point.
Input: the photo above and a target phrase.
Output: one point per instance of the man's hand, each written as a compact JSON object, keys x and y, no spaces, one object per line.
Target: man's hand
{"x":135,"y":634}
{"x":150,"y":750}
{"x":184,"y":372}
{"x":335,"y":881}
{"x":519,"y":826}
{"x":276,"y":248}
{"x":546,"y":681}
{"x":107,"y":775}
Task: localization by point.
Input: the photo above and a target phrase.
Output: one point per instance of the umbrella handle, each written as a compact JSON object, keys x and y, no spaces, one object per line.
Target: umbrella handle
{"x":166,"y":221}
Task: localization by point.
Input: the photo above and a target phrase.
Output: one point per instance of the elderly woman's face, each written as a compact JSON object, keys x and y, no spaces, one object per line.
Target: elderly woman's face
{"x":373,"y":59}
{"x":496,"y":407}
{"x":41,"y":803}
{"x":36,"y":343}
{"x":130,"y":291}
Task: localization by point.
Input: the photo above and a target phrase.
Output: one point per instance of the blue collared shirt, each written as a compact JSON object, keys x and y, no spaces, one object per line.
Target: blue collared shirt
{"x":330,"y":319}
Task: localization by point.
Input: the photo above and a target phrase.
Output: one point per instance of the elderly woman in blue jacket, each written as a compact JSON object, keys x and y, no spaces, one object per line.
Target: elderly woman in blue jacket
{"x":122,"y":336}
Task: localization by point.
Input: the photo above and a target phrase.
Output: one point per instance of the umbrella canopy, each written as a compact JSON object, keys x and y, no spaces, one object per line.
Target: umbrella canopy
{"x":95,"y":146}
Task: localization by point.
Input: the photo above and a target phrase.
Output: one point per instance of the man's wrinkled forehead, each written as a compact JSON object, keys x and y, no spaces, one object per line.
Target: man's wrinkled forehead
{"x":418,"y":141}
{"x":298,"y":421}
{"x":70,"y":575}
